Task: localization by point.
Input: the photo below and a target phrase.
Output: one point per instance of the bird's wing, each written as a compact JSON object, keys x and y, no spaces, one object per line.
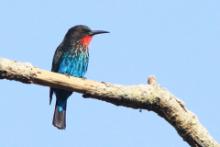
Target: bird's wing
{"x":55,"y":65}
{"x":56,"y":58}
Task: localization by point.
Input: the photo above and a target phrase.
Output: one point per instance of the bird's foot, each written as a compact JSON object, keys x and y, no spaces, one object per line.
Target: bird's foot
{"x":67,"y":75}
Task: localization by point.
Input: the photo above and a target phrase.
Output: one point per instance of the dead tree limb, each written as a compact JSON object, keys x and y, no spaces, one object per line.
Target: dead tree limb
{"x":149,"y":96}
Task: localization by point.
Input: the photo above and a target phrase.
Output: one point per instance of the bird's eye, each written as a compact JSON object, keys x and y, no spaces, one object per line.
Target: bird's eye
{"x":87,"y":31}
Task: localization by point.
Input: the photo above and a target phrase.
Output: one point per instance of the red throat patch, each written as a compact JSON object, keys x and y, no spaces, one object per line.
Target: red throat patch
{"x":86,"y":40}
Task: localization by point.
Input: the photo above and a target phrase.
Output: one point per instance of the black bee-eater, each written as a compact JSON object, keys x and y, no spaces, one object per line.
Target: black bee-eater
{"x":71,"y":58}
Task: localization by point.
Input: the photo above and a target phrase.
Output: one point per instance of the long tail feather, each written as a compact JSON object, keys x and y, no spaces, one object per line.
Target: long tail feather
{"x":59,"y":117}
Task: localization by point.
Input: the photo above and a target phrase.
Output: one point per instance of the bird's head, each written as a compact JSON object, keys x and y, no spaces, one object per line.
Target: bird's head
{"x":81,"y":33}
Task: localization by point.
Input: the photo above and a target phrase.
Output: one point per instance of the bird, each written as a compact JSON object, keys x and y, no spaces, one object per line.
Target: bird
{"x":71,"y":58}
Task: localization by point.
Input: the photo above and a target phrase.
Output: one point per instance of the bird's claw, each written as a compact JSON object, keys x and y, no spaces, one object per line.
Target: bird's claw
{"x":67,"y":75}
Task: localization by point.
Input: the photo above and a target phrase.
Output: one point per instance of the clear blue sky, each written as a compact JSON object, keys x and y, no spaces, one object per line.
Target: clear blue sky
{"x":178,"y":41}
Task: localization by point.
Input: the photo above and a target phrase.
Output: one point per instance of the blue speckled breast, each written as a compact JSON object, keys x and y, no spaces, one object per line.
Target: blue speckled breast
{"x":74,"y":64}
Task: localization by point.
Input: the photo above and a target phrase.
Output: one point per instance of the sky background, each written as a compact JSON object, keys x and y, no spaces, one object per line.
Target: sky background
{"x":177,"y":41}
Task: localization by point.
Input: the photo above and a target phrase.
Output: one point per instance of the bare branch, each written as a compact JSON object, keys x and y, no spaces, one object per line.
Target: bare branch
{"x":149,"y":96}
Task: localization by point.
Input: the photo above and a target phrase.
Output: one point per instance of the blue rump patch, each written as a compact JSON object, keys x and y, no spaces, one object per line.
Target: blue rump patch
{"x":60,"y":108}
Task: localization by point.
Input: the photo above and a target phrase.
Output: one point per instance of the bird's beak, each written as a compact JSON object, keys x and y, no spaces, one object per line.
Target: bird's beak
{"x":95,"y":32}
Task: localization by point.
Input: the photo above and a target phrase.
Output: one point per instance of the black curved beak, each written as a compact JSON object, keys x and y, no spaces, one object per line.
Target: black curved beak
{"x":95,"y":32}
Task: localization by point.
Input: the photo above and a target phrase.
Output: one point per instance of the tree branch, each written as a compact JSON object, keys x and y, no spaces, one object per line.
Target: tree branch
{"x":149,"y":96}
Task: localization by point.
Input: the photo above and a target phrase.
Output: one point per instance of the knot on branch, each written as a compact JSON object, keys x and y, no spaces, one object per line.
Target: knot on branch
{"x":152,"y":80}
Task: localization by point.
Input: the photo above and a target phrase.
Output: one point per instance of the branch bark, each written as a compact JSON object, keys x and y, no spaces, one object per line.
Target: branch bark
{"x":149,"y":96}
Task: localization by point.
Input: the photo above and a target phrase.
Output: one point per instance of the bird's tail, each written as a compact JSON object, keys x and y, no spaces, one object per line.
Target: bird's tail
{"x":59,"y":117}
